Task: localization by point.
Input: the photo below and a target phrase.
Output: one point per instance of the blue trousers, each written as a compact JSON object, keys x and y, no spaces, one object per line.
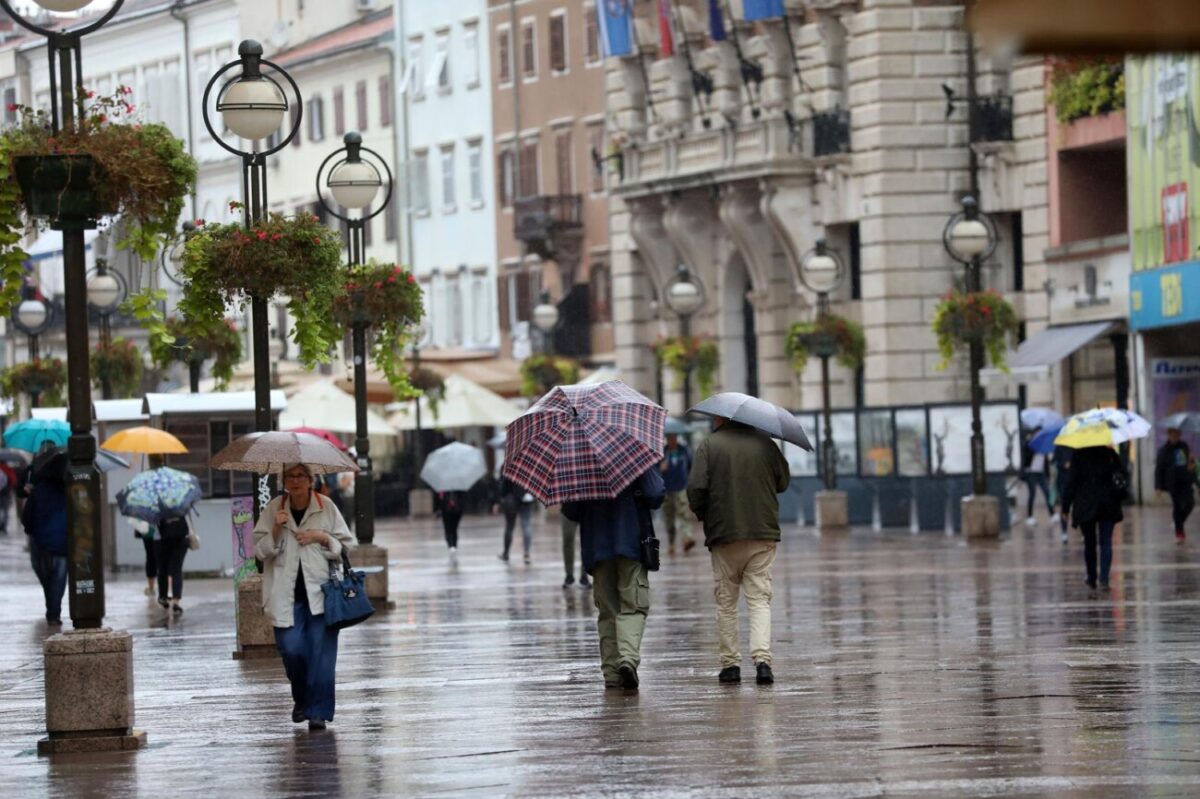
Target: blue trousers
{"x":51,"y":571}
{"x":1097,"y":533}
{"x":309,"y":652}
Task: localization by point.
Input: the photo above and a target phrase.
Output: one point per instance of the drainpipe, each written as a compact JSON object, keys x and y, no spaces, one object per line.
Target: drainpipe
{"x":403,"y":198}
{"x":176,"y":13}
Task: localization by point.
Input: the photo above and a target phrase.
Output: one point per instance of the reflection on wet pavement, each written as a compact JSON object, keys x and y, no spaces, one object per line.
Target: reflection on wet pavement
{"x":905,"y":665}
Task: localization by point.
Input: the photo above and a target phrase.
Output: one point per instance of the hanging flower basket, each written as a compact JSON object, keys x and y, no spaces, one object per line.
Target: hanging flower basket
{"x":44,"y":377}
{"x":986,"y":316}
{"x":387,"y":298}
{"x":120,"y":363}
{"x":195,"y":343}
{"x":430,"y":384}
{"x":61,"y":187}
{"x":845,"y":337}
{"x":683,"y":354}
{"x":295,"y":258}
{"x":540,"y":373}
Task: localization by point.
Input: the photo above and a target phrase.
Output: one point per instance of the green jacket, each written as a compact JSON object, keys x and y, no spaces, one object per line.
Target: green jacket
{"x":736,"y":473}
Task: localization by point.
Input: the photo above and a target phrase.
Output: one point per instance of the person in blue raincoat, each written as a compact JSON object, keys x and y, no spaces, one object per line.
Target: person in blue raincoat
{"x":611,"y":535}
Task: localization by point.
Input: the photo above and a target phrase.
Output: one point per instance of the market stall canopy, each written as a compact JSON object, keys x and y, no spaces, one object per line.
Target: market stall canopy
{"x":498,"y":375}
{"x":326,"y":406}
{"x":1101,"y":27}
{"x":218,"y":402}
{"x":120,"y":410}
{"x":464,"y":404}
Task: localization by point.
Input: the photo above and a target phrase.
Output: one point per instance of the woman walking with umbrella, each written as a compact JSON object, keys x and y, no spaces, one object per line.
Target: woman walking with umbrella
{"x":163,"y":497}
{"x":451,"y":471}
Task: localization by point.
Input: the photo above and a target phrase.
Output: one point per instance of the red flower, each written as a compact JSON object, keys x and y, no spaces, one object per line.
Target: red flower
{"x":199,"y":223}
{"x":411,"y":279}
{"x":392,"y":279}
{"x":11,"y":107}
{"x":126,"y":90}
{"x":379,"y":285}
{"x":262,"y":235}
{"x":129,"y":108}
{"x":276,"y":236}
{"x":316,"y":239}
{"x":102,"y":119}
{"x":234,"y":205}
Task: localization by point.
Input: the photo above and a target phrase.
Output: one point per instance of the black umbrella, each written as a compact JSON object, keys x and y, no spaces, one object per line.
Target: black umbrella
{"x":14,"y":456}
{"x":53,"y":463}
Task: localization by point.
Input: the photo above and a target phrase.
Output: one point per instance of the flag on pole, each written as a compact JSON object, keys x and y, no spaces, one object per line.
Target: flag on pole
{"x":616,"y":26}
{"x":762,"y":9}
{"x":666,"y":34}
{"x":716,"y":21}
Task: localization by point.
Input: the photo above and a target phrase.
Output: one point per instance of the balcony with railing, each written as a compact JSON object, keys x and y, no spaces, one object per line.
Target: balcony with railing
{"x":540,"y":222}
{"x":991,"y":119}
{"x":831,"y":132}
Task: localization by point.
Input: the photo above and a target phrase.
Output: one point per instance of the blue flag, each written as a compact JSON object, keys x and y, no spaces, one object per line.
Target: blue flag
{"x":616,"y":26}
{"x":762,"y":9}
{"x":716,"y":21}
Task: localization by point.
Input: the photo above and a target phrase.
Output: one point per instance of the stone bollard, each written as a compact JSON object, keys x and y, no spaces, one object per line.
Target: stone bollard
{"x":981,"y":517}
{"x":833,"y":512}
{"x":89,"y":692}
{"x":255,"y":634}
{"x":420,"y":503}
{"x":367,"y":555}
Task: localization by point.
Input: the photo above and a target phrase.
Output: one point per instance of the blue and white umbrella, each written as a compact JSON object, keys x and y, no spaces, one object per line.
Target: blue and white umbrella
{"x":158,"y":494}
{"x":1033,"y":418}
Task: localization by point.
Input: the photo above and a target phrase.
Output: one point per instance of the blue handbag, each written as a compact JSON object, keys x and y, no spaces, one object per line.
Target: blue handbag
{"x":346,"y":602}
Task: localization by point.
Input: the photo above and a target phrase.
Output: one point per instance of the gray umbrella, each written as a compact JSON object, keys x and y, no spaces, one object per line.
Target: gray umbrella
{"x":759,"y":414}
{"x":454,"y":467}
{"x":1186,"y":421}
{"x":271,"y":452}
{"x":676,"y":427}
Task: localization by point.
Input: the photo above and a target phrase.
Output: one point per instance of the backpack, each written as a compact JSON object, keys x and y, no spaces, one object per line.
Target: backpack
{"x":171,"y":529}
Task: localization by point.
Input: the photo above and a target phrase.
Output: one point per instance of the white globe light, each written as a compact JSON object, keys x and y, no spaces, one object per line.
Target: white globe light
{"x":253,"y":108}
{"x":545,"y":317}
{"x":62,"y":6}
{"x":354,"y":184}
{"x":32,"y":313}
{"x":969,"y":238}
{"x":103,"y":291}
{"x":822,"y":273}
{"x":684,"y":297}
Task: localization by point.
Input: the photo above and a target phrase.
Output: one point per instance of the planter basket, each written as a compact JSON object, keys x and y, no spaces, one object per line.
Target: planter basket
{"x":61,"y":187}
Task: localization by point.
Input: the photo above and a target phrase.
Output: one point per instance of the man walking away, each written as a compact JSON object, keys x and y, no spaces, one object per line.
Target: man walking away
{"x":676,"y":463}
{"x":1172,"y":475}
{"x":735,"y":478}
{"x":45,"y":520}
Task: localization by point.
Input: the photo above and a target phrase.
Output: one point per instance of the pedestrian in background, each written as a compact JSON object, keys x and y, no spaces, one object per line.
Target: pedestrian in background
{"x":170,"y":549}
{"x":450,"y":504}
{"x":1176,"y":475}
{"x":1036,"y":470}
{"x":736,"y":477}
{"x":675,"y":466}
{"x":299,"y":537}
{"x":144,"y":532}
{"x":570,"y":531}
{"x":44,"y":517}
{"x":610,"y":533}
{"x":8,"y":486}
{"x":515,"y":503}
{"x":1062,"y":472}
{"x":1096,"y":487}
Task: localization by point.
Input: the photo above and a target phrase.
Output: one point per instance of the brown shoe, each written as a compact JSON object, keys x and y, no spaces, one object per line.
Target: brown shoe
{"x":688,"y":544}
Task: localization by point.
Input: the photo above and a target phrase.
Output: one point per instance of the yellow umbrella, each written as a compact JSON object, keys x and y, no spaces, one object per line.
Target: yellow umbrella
{"x":146,"y":440}
{"x":1102,"y":427}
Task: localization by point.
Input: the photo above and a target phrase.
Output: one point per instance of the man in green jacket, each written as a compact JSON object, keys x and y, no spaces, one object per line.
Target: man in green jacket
{"x":736,"y":474}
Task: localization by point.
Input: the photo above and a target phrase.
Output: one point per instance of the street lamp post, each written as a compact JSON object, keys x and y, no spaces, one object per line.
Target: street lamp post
{"x":105,"y":291}
{"x":684,"y":294}
{"x":823,"y":272}
{"x":253,"y":106}
{"x":354,"y":183}
{"x":33,"y":317}
{"x":546,"y":317}
{"x":970,"y":238}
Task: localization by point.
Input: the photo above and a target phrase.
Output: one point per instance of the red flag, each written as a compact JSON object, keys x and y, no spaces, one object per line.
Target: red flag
{"x":666,"y":33}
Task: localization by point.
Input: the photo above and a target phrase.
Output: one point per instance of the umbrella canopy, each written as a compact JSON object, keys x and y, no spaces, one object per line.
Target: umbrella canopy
{"x":676,"y":427}
{"x":454,"y":467}
{"x":146,"y":441}
{"x":54,"y":463}
{"x":1185,"y":422}
{"x":584,"y":442}
{"x":271,"y":452}
{"x":1043,"y":442}
{"x":759,"y":414}
{"x":325,"y":407}
{"x":30,"y":434}
{"x":13,"y":456}
{"x":1033,"y":418}
{"x":498,"y":441}
{"x":325,"y":434}
{"x":463,"y":404}
{"x":1102,"y":427}
{"x":159,"y":494}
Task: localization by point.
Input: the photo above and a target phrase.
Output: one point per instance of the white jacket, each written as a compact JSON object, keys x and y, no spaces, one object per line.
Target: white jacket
{"x":280,"y":561}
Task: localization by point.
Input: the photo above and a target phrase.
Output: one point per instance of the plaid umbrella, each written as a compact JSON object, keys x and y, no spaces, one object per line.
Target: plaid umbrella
{"x":159,"y":494}
{"x":584,"y":442}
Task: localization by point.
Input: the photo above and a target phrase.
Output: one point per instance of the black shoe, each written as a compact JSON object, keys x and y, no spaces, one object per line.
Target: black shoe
{"x":1104,"y":585}
{"x":297,"y":714}
{"x":1091,"y":584}
{"x":165,"y":603}
{"x":764,"y":674}
{"x":503,"y":556}
{"x":569,"y":581}
{"x":316,"y":724}
{"x":584,"y":582}
{"x":54,"y":621}
{"x":628,"y":676}
{"x":177,"y":609}
{"x":730,"y":674}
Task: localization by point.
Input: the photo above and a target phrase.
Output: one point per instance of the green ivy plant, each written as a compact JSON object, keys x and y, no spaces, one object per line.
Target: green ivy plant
{"x":1087,"y":87}
{"x":195,"y":342}
{"x":388,"y":298}
{"x":962,"y":317}
{"x":292,"y":257}
{"x":540,"y":373}
{"x":45,"y":377}
{"x":683,"y":354}
{"x":849,"y":340}
{"x":120,"y":362}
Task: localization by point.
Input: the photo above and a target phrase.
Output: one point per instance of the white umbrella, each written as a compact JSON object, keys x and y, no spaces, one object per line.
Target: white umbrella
{"x":323,"y":405}
{"x":757,"y":413}
{"x":1034,"y":418}
{"x":454,"y":467}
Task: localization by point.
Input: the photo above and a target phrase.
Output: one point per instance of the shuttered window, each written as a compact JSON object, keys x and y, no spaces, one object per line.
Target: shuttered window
{"x":339,"y":112}
{"x":558,"y":42}
{"x":360,"y":101}
{"x":385,"y":101}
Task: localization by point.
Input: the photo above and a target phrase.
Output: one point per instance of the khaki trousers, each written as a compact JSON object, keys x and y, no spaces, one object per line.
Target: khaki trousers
{"x":676,"y":513}
{"x":621,"y":588}
{"x":737,"y":566}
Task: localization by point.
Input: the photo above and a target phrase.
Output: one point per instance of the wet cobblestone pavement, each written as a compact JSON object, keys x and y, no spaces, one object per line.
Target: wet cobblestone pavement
{"x":906,"y":665}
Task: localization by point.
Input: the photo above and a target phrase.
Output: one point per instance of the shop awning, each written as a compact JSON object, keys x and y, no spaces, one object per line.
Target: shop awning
{"x":1054,"y":344}
{"x":1087,"y":26}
